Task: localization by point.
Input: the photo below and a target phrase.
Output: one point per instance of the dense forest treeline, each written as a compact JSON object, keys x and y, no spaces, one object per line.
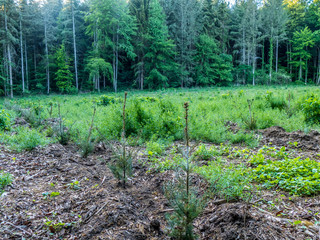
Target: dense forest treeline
{"x":67,"y":46}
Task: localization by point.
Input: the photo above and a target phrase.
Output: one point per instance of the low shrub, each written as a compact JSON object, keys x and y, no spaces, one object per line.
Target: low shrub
{"x":5,"y":179}
{"x":24,"y":139}
{"x":311,"y":110}
{"x":229,"y":182}
{"x":5,"y":121}
{"x":296,"y":176}
{"x":155,"y":148}
{"x":105,"y":100}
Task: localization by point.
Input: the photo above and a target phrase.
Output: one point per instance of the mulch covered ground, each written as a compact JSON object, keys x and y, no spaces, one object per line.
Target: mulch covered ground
{"x":99,"y":208}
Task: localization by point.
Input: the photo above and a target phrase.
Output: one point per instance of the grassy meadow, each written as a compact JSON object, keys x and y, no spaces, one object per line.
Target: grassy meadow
{"x":159,"y":115}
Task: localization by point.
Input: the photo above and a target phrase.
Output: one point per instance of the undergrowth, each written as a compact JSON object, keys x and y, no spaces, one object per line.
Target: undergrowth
{"x":5,"y":180}
{"x":296,"y":176}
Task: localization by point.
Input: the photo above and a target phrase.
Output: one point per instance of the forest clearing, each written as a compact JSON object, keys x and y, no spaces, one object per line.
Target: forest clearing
{"x":212,"y":163}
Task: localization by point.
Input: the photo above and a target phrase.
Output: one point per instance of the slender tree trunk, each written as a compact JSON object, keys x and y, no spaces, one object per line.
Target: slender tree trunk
{"x":182,"y":46}
{"x":115,"y":60}
{"x":318,"y":82}
{"x":300,"y":69}
{"x":270,"y":60}
{"x":35,"y":61}
{"x":26,"y":61}
{"x":75,"y":47}
{"x":243,"y":54}
{"x":142,"y":75}
{"x":263,"y":60}
{"x":290,"y":59}
{"x":277,"y":54}
{"x":8,"y":54}
{"x":5,"y":70}
{"x":47,"y":57}
{"x":22,"y":63}
{"x":10,"y":71}
{"x":306,"y":73}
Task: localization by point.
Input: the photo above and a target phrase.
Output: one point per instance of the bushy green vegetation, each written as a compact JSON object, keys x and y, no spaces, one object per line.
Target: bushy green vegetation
{"x":229,"y":182}
{"x":156,"y":115}
{"x":24,"y":139}
{"x":5,"y":121}
{"x":5,"y":179}
{"x":297,"y":176}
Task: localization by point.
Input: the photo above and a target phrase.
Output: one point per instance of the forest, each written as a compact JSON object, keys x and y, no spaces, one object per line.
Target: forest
{"x":94,"y":45}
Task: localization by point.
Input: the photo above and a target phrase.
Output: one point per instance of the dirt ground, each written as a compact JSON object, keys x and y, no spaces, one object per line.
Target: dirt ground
{"x":97,"y":207}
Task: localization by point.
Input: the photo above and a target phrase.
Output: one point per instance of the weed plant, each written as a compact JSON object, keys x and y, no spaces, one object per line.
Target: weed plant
{"x":297,"y":176}
{"x":24,"y":139}
{"x":5,"y":121}
{"x":5,"y":179}
{"x":87,"y":145}
{"x":229,"y":182}
{"x":62,"y":132}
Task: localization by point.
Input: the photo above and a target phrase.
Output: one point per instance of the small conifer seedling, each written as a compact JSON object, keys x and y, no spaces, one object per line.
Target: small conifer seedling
{"x":121,"y":166}
{"x":183,"y":196}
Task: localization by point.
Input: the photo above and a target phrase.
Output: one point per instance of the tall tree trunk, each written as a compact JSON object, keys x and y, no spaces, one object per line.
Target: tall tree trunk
{"x":6,"y":70}
{"x":318,"y":76}
{"x":47,"y":56}
{"x":263,"y":60}
{"x":277,"y":54}
{"x":290,"y":58}
{"x":10,"y":70}
{"x":8,"y":54}
{"x":300,"y":70}
{"x":22,"y":63}
{"x":306,"y":73}
{"x":35,"y":61}
{"x":26,"y":61}
{"x":115,"y":59}
{"x":270,"y":60}
{"x":74,"y":47}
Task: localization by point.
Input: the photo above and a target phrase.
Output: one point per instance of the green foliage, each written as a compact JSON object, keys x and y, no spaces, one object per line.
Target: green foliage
{"x":105,"y":100}
{"x":276,"y":102}
{"x":162,"y":164}
{"x":24,"y":139}
{"x":182,"y":195}
{"x":121,"y":165}
{"x":229,"y":182}
{"x":160,"y":50}
{"x":212,"y":66}
{"x":5,"y":180}
{"x":75,"y":185}
{"x":203,"y":153}
{"x":311,"y":110}
{"x":98,"y":67}
{"x":297,"y":176}
{"x":187,"y":206}
{"x":5,"y":121}
{"x":155,"y":148}
{"x":64,"y":76}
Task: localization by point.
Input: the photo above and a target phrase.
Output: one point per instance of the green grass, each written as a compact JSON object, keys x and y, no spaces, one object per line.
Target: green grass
{"x":158,"y":115}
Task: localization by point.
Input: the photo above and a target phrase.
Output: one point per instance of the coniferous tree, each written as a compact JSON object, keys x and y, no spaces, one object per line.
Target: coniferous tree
{"x":63,"y":75}
{"x":302,"y":40}
{"x":184,"y":24}
{"x":9,"y":39}
{"x":159,"y":57}
{"x":213,"y":67}
{"x":140,"y":10}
